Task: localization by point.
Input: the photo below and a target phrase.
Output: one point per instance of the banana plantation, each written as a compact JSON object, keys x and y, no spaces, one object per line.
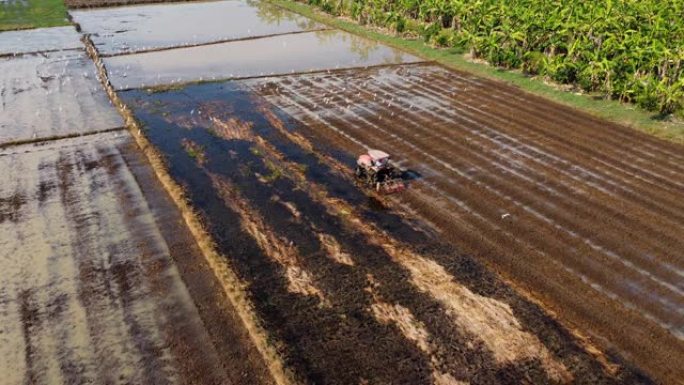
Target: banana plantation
{"x":631,"y":50}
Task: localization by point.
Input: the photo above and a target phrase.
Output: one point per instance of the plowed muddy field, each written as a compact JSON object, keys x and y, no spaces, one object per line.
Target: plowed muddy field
{"x":534,"y":244}
{"x":586,"y":215}
{"x":352,"y":287}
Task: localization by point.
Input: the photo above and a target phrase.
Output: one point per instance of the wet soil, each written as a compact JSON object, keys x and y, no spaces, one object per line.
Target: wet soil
{"x":584,"y":214}
{"x":350,"y":293}
{"x":284,"y":54}
{"x":239,"y":359}
{"x":47,"y":95}
{"x":91,"y":290}
{"x":143,"y":28}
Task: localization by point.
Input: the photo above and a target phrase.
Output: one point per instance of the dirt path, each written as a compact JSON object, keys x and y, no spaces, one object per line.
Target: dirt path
{"x":586,"y":215}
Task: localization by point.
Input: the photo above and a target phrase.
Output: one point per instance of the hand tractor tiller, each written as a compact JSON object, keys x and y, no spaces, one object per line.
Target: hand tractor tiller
{"x":376,"y":170}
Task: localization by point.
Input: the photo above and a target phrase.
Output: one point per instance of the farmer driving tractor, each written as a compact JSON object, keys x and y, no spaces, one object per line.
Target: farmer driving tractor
{"x":377,"y":171}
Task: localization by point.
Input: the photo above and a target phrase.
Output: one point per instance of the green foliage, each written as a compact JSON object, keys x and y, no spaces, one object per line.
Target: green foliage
{"x":631,"y":50}
{"x":194,"y":150}
{"x":22,"y":14}
{"x":275,"y":172}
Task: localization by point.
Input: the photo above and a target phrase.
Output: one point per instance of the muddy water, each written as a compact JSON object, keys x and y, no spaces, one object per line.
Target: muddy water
{"x":223,"y":147}
{"x":52,"y":94}
{"x":40,"y":39}
{"x":312,"y":51}
{"x":87,"y":280}
{"x":139,"y":28}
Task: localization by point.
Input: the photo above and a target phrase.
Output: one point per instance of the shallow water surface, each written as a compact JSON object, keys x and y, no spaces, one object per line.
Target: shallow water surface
{"x":39,"y":40}
{"x":279,"y":55}
{"x":54,"y":94}
{"x":141,"y":28}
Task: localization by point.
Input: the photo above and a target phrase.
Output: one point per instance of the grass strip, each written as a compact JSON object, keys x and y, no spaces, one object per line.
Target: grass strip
{"x":27,"y":14}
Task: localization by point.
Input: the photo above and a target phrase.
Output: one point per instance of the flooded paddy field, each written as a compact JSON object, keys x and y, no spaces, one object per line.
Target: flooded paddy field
{"x":76,"y":4}
{"x":39,"y":40}
{"x":584,"y":214}
{"x":94,"y":265}
{"x":351,"y":289}
{"x":304,"y":52}
{"x":144,"y":28}
{"x":106,"y":284}
{"x":53,"y":94}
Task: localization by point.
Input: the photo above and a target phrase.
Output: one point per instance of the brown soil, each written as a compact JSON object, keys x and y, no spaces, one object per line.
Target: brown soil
{"x":348,"y":290}
{"x":585,"y":215}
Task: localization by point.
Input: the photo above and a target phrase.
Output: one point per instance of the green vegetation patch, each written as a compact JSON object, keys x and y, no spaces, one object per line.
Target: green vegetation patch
{"x":454,"y":36}
{"x":195,"y":151}
{"x":25,"y":14}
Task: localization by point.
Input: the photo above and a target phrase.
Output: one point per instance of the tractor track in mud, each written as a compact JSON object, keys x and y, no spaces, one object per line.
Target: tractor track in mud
{"x":595,"y":208}
{"x":341,"y":283}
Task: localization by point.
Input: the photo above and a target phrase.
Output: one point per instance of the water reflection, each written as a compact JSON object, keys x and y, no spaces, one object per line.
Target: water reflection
{"x":304,"y":52}
{"x":275,"y":15}
{"x":148,"y":27}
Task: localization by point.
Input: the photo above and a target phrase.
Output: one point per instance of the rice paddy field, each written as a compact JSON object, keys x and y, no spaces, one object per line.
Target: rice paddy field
{"x":183,"y":210}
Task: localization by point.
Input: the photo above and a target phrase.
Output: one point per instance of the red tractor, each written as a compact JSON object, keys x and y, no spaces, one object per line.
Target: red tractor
{"x":376,"y":170}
